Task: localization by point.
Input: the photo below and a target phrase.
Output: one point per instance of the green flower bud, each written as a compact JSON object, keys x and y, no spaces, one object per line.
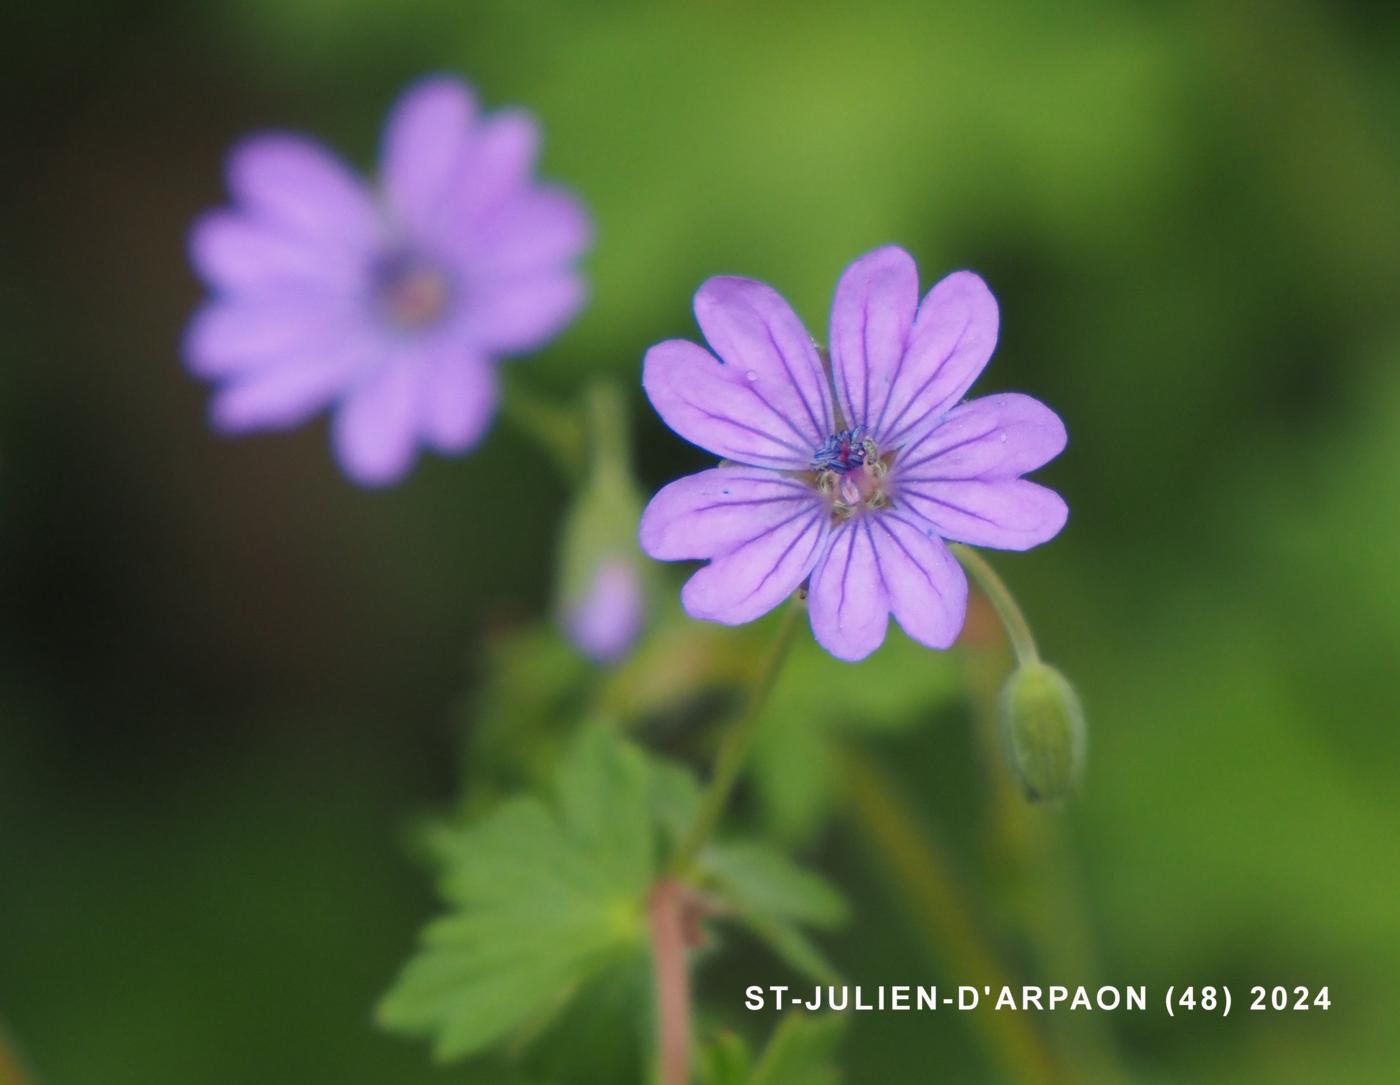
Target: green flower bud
{"x":1043,"y":727}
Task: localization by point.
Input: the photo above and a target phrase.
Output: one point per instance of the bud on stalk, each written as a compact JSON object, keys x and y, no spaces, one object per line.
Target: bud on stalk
{"x":1044,"y":731}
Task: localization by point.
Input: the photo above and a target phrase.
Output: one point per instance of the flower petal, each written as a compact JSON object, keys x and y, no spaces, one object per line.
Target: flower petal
{"x":711,"y":513}
{"x":927,"y":587}
{"x":375,"y":429}
{"x":953,"y":337}
{"x":768,"y":352}
{"x":710,"y":405}
{"x":963,"y":477}
{"x":459,"y":398}
{"x":1006,"y":514}
{"x":754,"y":577}
{"x":235,"y":335}
{"x":539,"y":230}
{"x":425,"y":143}
{"x":498,"y":163}
{"x":849,"y":604}
{"x":605,"y":621}
{"x":995,"y":437}
{"x":871,"y":318}
{"x":523,"y":314}
{"x":238,"y":254}
{"x":294,"y":183}
{"x":290,"y":389}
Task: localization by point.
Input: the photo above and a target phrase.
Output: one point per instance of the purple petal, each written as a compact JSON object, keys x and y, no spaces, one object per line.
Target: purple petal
{"x":711,"y":513}
{"x":757,"y":575}
{"x":963,"y":477}
{"x":871,"y":318}
{"x":459,"y":398}
{"x":849,"y":604}
{"x":712,"y":405}
{"x":523,"y":314}
{"x":235,"y":253}
{"x":235,"y":335}
{"x":291,"y":182}
{"x":1006,"y":514}
{"x":927,"y":587}
{"x":539,"y":230}
{"x":605,"y":622}
{"x":375,"y":429}
{"x":499,"y":162}
{"x":768,"y":352}
{"x":1001,"y":436}
{"x":288,"y":391}
{"x":952,"y":339}
{"x":425,"y":144}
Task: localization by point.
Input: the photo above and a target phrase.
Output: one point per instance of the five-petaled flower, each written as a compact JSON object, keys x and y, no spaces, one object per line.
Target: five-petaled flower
{"x":856,"y":490}
{"x":393,"y":305}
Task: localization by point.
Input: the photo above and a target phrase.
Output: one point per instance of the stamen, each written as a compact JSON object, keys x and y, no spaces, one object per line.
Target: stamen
{"x":412,"y":292}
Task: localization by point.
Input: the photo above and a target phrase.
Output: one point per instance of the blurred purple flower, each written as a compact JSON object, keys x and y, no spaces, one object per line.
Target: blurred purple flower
{"x":389,"y":305}
{"x":858,"y":491}
{"x":606,"y":619}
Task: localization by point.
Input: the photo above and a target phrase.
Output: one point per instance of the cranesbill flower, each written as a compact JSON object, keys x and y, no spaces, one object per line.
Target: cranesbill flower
{"x":390,"y":305}
{"x":852,"y":478}
{"x":605,"y":619}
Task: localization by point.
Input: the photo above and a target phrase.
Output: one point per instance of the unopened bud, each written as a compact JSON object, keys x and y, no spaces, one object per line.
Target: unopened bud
{"x":1043,"y":726}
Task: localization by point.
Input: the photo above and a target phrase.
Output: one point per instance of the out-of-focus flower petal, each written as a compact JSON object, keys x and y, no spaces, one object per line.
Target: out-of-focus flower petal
{"x":522,"y":314}
{"x":376,"y":427}
{"x":712,"y":405}
{"x":755,"y":576}
{"x":237,"y":254}
{"x":536,"y":231}
{"x":849,"y":604}
{"x":927,"y":587}
{"x":294,"y":183}
{"x":606,"y":620}
{"x":498,"y":164}
{"x":871,"y":318}
{"x":230,"y":336}
{"x":952,"y":339}
{"x":459,"y":398}
{"x":425,"y":146}
{"x":291,"y":389}
{"x":713,"y":512}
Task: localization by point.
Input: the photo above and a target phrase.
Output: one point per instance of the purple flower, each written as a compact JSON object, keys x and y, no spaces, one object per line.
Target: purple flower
{"x":857,"y":489}
{"x":390,"y":305}
{"x":606,"y":619}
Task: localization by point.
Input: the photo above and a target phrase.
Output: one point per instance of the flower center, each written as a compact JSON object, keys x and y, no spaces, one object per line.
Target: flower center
{"x":851,"y":473}
{"x":412,"y":293}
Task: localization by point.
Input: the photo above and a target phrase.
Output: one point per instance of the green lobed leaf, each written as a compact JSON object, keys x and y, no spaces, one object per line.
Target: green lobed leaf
{"x":800,"y":1052}
{"x":545,"y":898}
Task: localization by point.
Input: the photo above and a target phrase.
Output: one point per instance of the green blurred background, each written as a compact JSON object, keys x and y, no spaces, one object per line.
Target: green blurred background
{"x":228,"y":678}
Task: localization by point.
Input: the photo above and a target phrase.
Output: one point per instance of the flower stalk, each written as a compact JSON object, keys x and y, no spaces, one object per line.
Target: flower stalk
{"x":1018,"y":630}
{"x":736,"y":744}
{"x":671,"y":971}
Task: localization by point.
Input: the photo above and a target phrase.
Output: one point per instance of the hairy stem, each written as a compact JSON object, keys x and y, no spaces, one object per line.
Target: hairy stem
{"x":671,"y":971}
{"x":736,"y":743}
{"x":916,"y":862}
{"x":1003,"y":602}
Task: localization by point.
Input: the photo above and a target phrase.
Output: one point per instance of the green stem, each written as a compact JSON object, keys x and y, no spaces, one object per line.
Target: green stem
{"x":917,"y":863}
{"x":736,"y":743}
{"x":999,"y":595}
{"x":559,"y":431}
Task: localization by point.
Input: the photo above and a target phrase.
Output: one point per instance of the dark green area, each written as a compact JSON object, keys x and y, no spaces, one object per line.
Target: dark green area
{"x":230,"y":681}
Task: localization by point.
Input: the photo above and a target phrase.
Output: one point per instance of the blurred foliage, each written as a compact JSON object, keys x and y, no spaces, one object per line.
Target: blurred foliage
{"x":225,"y":674}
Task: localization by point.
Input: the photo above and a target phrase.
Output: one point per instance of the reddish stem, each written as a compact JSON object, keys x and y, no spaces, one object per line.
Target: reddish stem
{"x":669,"y":944}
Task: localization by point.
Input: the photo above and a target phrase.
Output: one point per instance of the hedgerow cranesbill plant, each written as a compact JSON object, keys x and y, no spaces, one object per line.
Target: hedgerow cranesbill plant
{"x":584,"y":877}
